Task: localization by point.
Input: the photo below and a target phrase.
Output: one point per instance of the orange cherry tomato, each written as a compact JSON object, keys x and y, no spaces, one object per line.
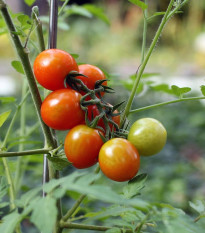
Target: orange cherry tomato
{"x":82,"y":145}
{"x":51,"y":67}
{"x":119,"y":160}
{"x":61,"y":109}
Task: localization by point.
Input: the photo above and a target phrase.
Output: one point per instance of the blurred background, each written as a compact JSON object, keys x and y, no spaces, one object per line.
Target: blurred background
{"x":175,"y":175}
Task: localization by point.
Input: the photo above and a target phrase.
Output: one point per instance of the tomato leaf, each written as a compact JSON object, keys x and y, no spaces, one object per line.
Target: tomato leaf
{"x":78,"y":10}
{"x":44,"y":214}
{"x":29,"y":2}
{"x":97,"y":11}
{"x":203,"y":90}
{"x":180,"y":91}
{"x":4,"y":116}
{"x":139,"y":4}
{"x":59,"y":163}
{"x":9,"y":222}
{"x":134,"y":186}
{"x":162,"y":87}
{"x":199,"y":206}
{"x":18,"y":66}
{"x":5,"y":100}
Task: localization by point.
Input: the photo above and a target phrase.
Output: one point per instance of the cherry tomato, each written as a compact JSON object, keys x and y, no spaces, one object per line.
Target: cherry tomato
{"x":119,"y":160}
{"x":51,"y":67}
{"x":148,"y":135}
{"x":61,"y":109}
{"x":82,"y":145}
{"x":93,"y":110}
{"x":93,"y":74}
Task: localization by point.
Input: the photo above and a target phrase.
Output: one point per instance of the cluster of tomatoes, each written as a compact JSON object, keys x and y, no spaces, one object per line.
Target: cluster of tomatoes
{"x":84,"y":146}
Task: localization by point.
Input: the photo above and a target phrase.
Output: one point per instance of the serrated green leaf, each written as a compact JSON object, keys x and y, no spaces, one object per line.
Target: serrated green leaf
{"x":162,"y":87}
{"x":203,"y":90}
{"x":23,"y":19}
{"x":134,"y":186}
{"x":27,"y":197}
{"x":139,"y":4}
{"x":59,"y":163}
{"x":6,"y":100}
{"x":129,"y":217}
{"x":44,"y":214}
{"x":4,"y":116}
{"x":97,"y":11}
{"x":110,"y":211}
{"x":29,"y":2}
{"x":199,"y":206}
{"x":74,"y":55}
{"x":9,"y":222}
{"x":79,"y":10}
{"x":18,"y":66}
{"x":179,"y":91}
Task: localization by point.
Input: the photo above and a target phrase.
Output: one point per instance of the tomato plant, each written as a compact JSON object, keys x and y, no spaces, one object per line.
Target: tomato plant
{"x":61,"y":109}
{"x":93,"y":112}
{"x":82,"y":145}
{"x":119,"y":160}
{"x":51,"y":67}
{"x":93,"y":74}
{"x":148,"y":135}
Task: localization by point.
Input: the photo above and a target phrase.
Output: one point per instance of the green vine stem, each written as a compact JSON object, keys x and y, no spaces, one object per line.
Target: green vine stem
{"x":165,"y":103}
{"x":90,"y":227}
{"x":25,"y":153}
{"x":143,"y":65}
{"x":63,"y":6}
{"x":144,"y":38}
{"x":18,"y":175}
{"x":39,"y":30}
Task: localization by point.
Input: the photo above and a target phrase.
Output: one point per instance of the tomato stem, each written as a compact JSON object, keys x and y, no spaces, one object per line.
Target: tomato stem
{"x":145,"y":61}
{"x":165,"y":103}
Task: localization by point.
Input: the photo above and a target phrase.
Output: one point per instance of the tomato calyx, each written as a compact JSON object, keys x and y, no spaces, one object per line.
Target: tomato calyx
{"x":94,"y":97}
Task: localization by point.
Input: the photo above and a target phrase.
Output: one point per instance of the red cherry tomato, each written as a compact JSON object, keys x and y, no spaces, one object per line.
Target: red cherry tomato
{"x":82,"y":145}
{"x":93,"y":74}
{"x":51,"y":67}
{"x":119,"y":160}
{"x":93,"y":110}
{"x":61,"y":109}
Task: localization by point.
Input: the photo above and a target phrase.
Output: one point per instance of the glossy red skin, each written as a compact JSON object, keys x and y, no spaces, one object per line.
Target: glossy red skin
{"x":51,"y":67}
{"x":61,"y":109}
{"x":119,"y":160}
{"x":93,"y":74}
{"x":92,"y":109}
{"x":82,"y":145}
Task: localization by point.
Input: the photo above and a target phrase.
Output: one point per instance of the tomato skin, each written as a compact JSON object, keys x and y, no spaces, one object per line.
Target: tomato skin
{"x":82,"y":145}
{"x":93,"y":110}
{"x":51,"y":67}
{"x":148,"y":135}
{"x":119,"y":160}
{"x":93,"y":74}
{"x":61,"y":109}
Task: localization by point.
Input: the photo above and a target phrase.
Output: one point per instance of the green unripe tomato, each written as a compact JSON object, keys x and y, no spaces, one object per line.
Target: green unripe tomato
{"x":148,"y":136}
